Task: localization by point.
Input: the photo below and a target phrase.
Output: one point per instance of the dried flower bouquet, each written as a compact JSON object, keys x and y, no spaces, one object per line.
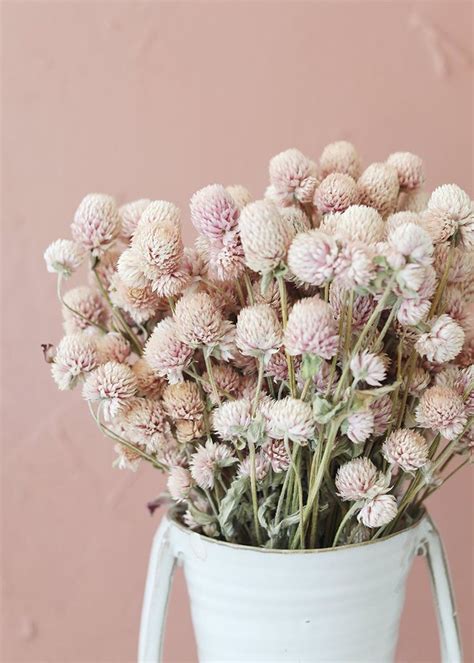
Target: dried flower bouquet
{"x":304,"y":373}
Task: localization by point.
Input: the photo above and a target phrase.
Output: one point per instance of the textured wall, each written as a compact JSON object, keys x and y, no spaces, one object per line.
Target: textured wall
{"x":159,"y":99}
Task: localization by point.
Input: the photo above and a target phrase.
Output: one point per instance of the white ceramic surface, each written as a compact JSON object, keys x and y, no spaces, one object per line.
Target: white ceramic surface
{"x":251,"y":605}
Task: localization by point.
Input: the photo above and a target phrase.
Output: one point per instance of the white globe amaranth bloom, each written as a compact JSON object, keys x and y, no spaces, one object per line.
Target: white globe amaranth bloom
{"x":442,"y":410}
{"x":96,"y":223}
{"x":112,"y":385}
{"x":291,"y":418}
{"x":265,"y":236}
{"x":379,"y":511}
{"x":64,"y":256}
{"x":368,"y":367}
{"x":359,"y":479}
{"x":258,"y":331}
{"x":312,"y":257}
{"x":443,"y":342}
{"x":406,"y":449}
{"x":76,"y":355}
{"x":311,"y":329}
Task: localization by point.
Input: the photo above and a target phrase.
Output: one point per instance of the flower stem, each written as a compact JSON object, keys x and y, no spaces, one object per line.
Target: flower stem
{"x":212,"y":381}
{"x":284,"y":317}
{"x":253,"y":490}
{"x":343,"y":523}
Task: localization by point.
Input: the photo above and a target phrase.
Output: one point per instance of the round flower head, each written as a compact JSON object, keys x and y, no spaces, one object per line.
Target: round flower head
{"x":127,"y":458}
{"x":296,"y":220}
{"x":361,"y":223}
{"x":63,"y":257}
{"x":159,"y":246}
{"x":359,"y":426}
{"x":208,"y":460}
{"x":183,"y":401}
{"x":443,"y":342}
{"x":240,"y":194}
{"x":450,"y":208}
{"x":340,"y":157}
{"x":225,"y":258}
{"x":198,"y":320}
{"x":336,"y":193}
{"x":407,"y":449}
{"x":359,"y":479}
{"x":363,"y":305}
{"x":141,"y":304}
{"x":214,"y":212}
{"x":265,"y":236}
{"x":412,"y":201}
{"x":130,"y":214}
{"x":165,"y":353}
{"x":76,"y":354}
{"x":179,"y":483}
{"x":462,"y":381}
{"x":378,"y":187}
{"x":148,"y":384}
{"x":379,"y":511}
{"x":227,"y":379}
{"x":354,"y":267}
{"x":291,"y":418}
{"x":443,"y":410}
{"x":145,"y":423}
{"x":277,"y":366}
{"x":258,"y":331}
{"x":293,"y":177}
{"x":159,"y":212}
{"x":382,"y":412}
{"x":312,"y":257}
{"x":409,"y":169}
{"x":113,"y":385}
{"x":270,"y":295}
{"x":419,"y":380}
{"x":113,"y":347}
{"x":311,"y":329}
{"x":232,"y":419}
{"x":88,"y":307}
{"x":400,"y":218}
{"x":262,"y":466}
{"x":172,"y":284}
{"x":130,"y":268}
{"x":277,"y":454}
{"x":96,"y":223}
{"x":413,"y":242}
{"x":368,"y":367}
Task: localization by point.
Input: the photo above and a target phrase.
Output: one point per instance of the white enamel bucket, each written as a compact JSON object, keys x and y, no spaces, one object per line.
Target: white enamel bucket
{"x":251,"y":605}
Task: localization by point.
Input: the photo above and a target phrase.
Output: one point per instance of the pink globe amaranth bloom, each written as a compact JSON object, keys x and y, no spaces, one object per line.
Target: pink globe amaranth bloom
{"x":159,"y":246}
{"x":415,"y":200}
{"x":183,"y":401}
{"x":63,"y":257}
{"x":140,"y":304}
{"x":130,"y":268}
{"x":462,"y":263}
{"x":88,"y":303}
{"x":379,"y":511}
{"x":113,"y":385}
{"x":258,"y":331}
{"x":264,"y":235}
{"x":214,"y":212}
{"x":311,"y":329}
{"x":378,"y":187}
{"x":170,"y":453}
{"x":179,"y":483}
{"x":96,"y":223}
{"x":354,"y":267}
{"x":413,"y":242}
{"x":360,"y":223}
{"x":359,"y":479}
{"x":173,"y":284}
{"x":359,"y":426}
{"x":240,"y":194}
{"x":462,"y":381}
{"x":232,"y":418}
{"x":413,"y":311}
{"x":409,"y":169}
{"x":454,"y":304}
{"x":208,"y":460}
{"x":443,"y":410}
{"x":76,"y":354}
{"x":145,"y":423}
{"x":270,"y":295}
{"x":443,"y":342}
{"x":400,"y":218}
{"x":277,"y":454}
{"x":419,"y":380}
{"x":407,"y":449}
{"x":362,"y":306}
{"x":130,"y":215}
{"x":160,"y":212}
{"x":127,"y":459}
{"x":340,"y":157}
{"x":293,"y":177}
{"x":336,"y":193}
{"x":291,"y":418}
{"x":296,"y":220}
{"x":113,"y":347}
{"x":227,"y":379}
{"x":368,"y":367}
{"x":165,"y":353}
{"x":277,"y":366}
{"x":450,"y":208}
{"x":312,"y":257}
{"x":382,"y":413}
{"x":148,"y":384}
{"x":226,"y":261}
{"x":198,"y":320}
{"x":262,"y":466}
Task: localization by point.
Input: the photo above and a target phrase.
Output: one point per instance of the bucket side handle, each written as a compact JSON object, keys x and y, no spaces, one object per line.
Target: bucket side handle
{"x":432,"y":547}
{"x":161,"y":568}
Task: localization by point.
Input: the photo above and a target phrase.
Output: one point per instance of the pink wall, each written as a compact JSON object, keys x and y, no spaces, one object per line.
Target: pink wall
{"x":159,"y":99}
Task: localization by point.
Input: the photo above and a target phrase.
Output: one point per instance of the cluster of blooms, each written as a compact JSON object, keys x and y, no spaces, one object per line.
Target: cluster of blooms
{"x":303,"y":373}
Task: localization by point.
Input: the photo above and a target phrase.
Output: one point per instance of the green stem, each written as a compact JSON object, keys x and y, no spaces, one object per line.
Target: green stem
{"x":343,"y":523}
{"x":284,"y":317}
{"x":212,"y":381}
{"x":253,"y":490}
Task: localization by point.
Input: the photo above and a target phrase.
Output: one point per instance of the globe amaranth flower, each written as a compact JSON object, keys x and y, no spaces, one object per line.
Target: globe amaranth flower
{"x":362,"y":305}
{"x":413,"y":242}
{"x":378,"y":187}
{"x":208,"y":460}
{"x":183,"y":401}
{"x":359,"y":426}
{"x":240,"y":194}
{"x":291,"y":418}
{"x":340,"y":157}
{"x":165,"y":353}
{"x":296,"y":220}
{"x":292,"y":177}
{"x":368,"y":367}
{"x":199,"y":323}
{"x":148,"y":384}
{"x":214,"y":211}
{"x":141,"y":304}
{"x":359,"y":479}
{"x":130,"y":215}
{"x":360,"y":223}
{"x":354,"y":267}
{"x":381,"y":409}
{"x":265,"y":236}
{"x":160,"y":247}
{"x":225,"y":258}
{"x":277,"y":454}
{"x":262,"y":466}
{"x":130,"y":268}
{"x":76,"y":355}
{"x":442,"y":410}
{"x":412,"y":201}
{"x":336,"y":193}
{"x":232,"y":419}
{"x":407,"y":449}
{"x":113,"y":347}
{"x":450,"y":210}
{"x":409,"y":169}
{"x":179,"y":483}
{"x":312,"y":257}
{"x":113,"y":385}
{"x":443,"y":342}
{"x":227,"y":379}
{"x":63,"y":257}
{"x":96,"y":223}
{"x":378,"y":512}
{"x":311,"y":329}
{"x":83,"y":308}
{"x":462,"y":381}
{"x":258,"y":331}
{"x":145,"y":423}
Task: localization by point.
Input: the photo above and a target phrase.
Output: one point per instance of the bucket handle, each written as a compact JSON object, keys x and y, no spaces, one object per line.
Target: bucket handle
{"x":431,"y":546}
{"x":161,"y":568}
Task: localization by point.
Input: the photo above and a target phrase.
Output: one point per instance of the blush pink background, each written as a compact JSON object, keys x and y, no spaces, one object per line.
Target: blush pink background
{"x":159,"y":99}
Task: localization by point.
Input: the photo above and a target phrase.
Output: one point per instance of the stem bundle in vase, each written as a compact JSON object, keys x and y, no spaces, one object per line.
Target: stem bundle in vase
{"x":303,"y":373}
